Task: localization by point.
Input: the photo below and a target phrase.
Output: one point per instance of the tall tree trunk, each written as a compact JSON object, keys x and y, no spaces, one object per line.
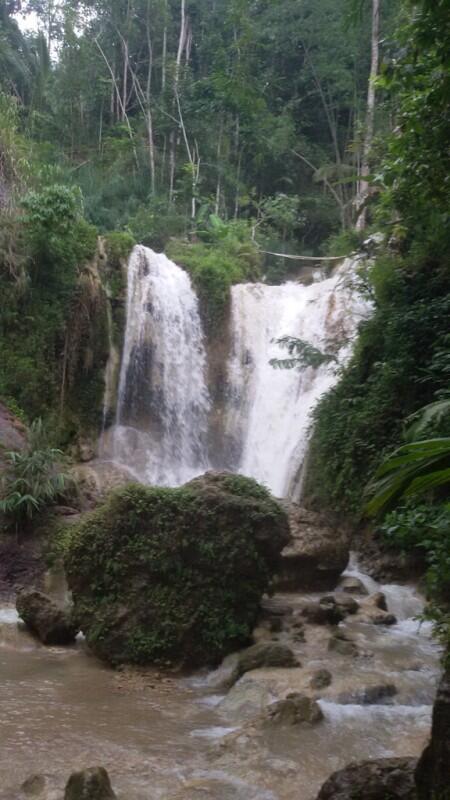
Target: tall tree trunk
{"x":364,"y":188}
{"x":174,"y":133}
{"x":148,"y":93}
{"x":219,"y":169}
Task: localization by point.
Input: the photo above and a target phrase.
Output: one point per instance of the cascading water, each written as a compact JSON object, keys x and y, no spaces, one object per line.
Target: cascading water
{"x":268,"y":412}
{"x":162,"y":415}
{"x":161,"y":430}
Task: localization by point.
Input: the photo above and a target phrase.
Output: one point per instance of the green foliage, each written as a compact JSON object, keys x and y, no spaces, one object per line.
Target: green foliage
{"x":225,"y":257}
{"x":412,"y":470}
{"x":415,"y":175}
{"x":56,"y":235}
{"x":302,"y":355}
{"x":174,"y":574}
{"x":33,"y":480}
{"x":119,"y":245}
{"x":344,"y":243}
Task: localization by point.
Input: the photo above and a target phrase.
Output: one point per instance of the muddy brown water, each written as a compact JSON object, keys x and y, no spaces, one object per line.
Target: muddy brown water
{"x":167,"y":739}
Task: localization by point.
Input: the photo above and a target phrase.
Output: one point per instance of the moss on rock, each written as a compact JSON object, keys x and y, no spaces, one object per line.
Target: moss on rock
{"x":175,"y":575}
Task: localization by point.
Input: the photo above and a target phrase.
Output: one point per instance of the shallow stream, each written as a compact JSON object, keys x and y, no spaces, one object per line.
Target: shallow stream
{"x":176,"y":739}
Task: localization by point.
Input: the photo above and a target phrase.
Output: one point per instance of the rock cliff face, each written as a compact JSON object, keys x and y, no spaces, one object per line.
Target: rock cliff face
{"x":433,"y":771}
{"x":12,"y":432}
{"x":175,"y":575}
{"x":316,"y":555}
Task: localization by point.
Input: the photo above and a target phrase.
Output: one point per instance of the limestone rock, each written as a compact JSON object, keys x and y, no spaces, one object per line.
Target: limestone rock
{"x":346,"y":603}
{"x":322,"y":613}
{"x":321,"y":679}
{"x":386,"y":779}
{"x":246,"y":700}
{"x":433,"y":771}
{"x":52,"y":625}
{"x":316,"y":555}
{"x":175,"y":576}
{"x":265,"y":654}
{"x":352,"y":586}
{"x":378,"y":600}
{"x":90,"y":784}
{"x":35,"y":786}
{"x":338,"y":643}
{"x":12,"y":432}
{"x":294,"y":710}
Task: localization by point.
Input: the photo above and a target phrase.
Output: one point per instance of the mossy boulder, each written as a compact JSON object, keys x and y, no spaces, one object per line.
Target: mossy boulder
{"x":175,"y":575}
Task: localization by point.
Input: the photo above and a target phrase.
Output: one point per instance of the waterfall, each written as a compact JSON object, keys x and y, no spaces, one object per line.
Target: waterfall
{"x":161,"y":430}
{"x":160,"y":433}
{"x":268,"y":413}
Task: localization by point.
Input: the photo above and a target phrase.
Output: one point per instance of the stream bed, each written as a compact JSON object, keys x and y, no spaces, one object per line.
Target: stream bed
{"x":163,"y":738}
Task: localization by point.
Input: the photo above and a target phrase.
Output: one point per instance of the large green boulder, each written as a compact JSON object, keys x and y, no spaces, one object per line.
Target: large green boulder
{"x":175,"y":575}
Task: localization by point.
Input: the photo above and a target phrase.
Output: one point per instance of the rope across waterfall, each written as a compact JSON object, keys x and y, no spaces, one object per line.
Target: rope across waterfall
{"x":304,"y":258}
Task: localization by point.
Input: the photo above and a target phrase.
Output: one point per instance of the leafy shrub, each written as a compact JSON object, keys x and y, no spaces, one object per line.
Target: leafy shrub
{"x":395,"y":370}
{"x":427,"y":528}
{"x":119,"y":245}
{"x":33,"y":480}
{"x":226,"y":256}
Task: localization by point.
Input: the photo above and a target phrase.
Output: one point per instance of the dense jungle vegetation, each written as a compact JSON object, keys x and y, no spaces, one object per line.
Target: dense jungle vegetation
{"x":220,"y":129}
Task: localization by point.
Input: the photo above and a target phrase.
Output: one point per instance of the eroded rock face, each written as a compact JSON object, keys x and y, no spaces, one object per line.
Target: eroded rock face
{"x":12,"y":432}
{"x":387,"y":779}
{"x":90,"y":784}
{"x":175,"y":575}
{"x":433,"y":771}
{"x":52,"y":625}
{"x":316,"y":555}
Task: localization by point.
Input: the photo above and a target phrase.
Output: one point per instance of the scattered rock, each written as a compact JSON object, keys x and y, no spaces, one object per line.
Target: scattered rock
{"x":433,"y":771}
{"x":378,"y":600}
{"x":346,"y":603}
{"x":265,"y":654}
{"x":321,"y":679}
{"x":175,"y":576}
{"x":274,"y":607}
{"x":338,"y":643}
{"x":316,"y":555}
{"x":386,"y":779}
{"x":34,"y":786}
{"x":52,"y":625}
{"x":352,"y":586}
{"x":246,"y":700}
{"x":322,"y":613}
{"x":90,"y":784}
{"x":383,"y":618}
{"x":296,"y":709}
